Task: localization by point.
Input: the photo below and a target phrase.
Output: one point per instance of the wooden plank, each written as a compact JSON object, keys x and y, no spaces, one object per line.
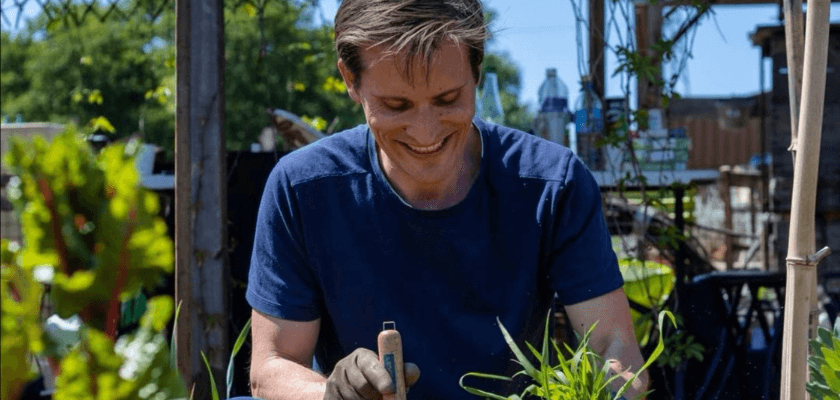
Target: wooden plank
{"x":201,"y":240}
{"x":648,"y":32}
{"x":725,"y":186}
{"x":183,"y":239}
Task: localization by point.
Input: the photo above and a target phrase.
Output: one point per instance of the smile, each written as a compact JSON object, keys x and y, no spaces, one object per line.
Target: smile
{"x":428,"y":149}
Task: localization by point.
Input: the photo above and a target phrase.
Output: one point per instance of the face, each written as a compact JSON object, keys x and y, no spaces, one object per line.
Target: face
{"x":423,"y":129}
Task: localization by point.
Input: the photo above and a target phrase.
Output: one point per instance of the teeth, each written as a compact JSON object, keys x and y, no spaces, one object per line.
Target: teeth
{"x":430,"y":149}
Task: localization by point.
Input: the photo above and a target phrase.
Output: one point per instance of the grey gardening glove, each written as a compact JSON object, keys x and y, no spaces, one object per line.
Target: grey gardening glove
{"x":360,"y":376}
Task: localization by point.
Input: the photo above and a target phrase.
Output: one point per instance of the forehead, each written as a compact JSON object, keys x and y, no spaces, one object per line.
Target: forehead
{"x":448,"y":63}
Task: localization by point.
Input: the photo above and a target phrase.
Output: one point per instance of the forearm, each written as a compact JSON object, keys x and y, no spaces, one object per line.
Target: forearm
{"x":281,"y":379}
{"x":626,"y":360}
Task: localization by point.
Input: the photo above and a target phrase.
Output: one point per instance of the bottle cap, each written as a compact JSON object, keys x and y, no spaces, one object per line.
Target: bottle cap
{"x":551,"y":72}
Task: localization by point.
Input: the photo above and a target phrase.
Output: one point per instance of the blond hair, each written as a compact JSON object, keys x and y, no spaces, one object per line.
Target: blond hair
{"x":415,"y":27}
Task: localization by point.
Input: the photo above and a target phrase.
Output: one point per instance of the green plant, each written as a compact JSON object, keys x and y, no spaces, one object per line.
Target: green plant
{"x":229,"y":377}
{"x":92,"y":239}
{"x":824,"y":364}
{"x":680,"y":347}
{"x":582,"y":375}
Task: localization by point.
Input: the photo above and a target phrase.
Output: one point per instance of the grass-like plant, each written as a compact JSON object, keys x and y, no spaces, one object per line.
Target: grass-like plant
{"x":824,"y":363}
{"x":579,"y":373}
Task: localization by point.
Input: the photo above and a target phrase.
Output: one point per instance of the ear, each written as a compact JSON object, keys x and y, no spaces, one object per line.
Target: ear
{"x":348,"y":80}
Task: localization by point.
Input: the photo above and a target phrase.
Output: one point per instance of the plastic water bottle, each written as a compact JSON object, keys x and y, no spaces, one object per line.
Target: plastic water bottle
{"x":491,"y":101}
{"x":553,"y":116}
{"x":477,"y":103}
{"x":589,"y":125}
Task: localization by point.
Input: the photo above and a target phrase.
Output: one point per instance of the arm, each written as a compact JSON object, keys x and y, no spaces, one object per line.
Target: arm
{"x":613,"y":337}
{"x":281,"y":359}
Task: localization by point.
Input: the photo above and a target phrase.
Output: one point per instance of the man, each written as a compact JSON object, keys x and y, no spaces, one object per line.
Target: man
{"x":425,"y":217}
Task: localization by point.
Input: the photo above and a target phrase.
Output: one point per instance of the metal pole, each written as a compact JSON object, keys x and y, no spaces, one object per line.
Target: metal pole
{"x":201,"y":270}
{"x":801,"y":260}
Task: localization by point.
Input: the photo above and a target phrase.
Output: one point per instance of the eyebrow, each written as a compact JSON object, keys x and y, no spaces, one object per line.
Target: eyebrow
{"x":444,"y":94}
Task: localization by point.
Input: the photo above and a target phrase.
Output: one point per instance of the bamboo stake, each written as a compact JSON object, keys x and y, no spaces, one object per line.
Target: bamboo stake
{"x":793,"y":49}
{"x":794,"y":37}
{"x":801,"y":260}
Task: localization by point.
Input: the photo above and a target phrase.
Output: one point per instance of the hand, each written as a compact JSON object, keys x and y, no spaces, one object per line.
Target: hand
{"x":360,"y":376}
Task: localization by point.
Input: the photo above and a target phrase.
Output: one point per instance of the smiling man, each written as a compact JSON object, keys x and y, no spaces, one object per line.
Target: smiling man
{"x":426,"y":217}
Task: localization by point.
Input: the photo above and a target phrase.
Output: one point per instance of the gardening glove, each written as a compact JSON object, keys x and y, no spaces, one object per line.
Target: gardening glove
{"x":360,"y":376}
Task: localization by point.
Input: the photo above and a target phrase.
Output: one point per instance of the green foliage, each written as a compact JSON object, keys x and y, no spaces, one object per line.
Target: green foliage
{"x":579,"y":374}
{"x":275,"y":59}
{"x":86,"y":218}
{"x":824,"y":364}
{"x":136,"y":367}
{"x":20,"y":302}
{"x":76,"y":72}
{"x":236,"y":347}
{"x":648,"y":284}
{"x":123,"y":69}
{"x":94,"y":235}
{"x":679,"y":348}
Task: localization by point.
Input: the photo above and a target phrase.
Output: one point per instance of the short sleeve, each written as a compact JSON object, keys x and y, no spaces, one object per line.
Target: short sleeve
{"x":582,"y":263}
{"x":280,"y":281}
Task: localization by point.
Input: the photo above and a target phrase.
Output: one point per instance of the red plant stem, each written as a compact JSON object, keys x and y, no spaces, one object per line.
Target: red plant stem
{"x":113,"y":315}
{"x":13,"y":291}
{"x":60,"y":244}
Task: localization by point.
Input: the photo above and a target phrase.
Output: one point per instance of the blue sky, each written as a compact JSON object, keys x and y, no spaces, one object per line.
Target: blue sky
{"x":540,"y":34}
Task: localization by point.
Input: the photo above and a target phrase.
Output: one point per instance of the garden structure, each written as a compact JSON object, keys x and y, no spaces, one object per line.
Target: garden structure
{"x":737,"y":315}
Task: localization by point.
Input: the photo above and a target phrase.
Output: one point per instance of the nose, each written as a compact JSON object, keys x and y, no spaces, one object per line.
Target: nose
{"x":424,"y":126}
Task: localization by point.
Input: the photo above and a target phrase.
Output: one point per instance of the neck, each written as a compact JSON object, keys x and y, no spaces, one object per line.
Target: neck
{"x":451,"y":191}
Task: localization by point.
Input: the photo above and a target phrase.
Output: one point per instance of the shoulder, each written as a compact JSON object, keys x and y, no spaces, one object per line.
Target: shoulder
{"x":518,"y":154}
{"x":341,"y":154}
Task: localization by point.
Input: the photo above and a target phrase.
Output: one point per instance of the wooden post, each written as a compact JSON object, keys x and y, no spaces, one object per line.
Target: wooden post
{"x":725,"y":190}
{"x":648,"y":32}
{"x":801,"y":259}
{"x":596,"y":46}
{"x":201,"y":271}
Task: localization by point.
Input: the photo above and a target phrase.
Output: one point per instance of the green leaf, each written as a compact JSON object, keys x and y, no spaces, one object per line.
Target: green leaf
{"x":479,"y":392}
{"x":236,"y":346}
{"x":529,"y":368}
{"x":213,"y":389}
{"x":158,"y":313}
{"x":832,"y":378}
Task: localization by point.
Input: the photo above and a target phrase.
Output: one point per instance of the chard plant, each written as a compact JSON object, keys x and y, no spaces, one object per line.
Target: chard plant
{"x":579,"y":373}
{"x":92,"y":239}
{"x":824,"y":364}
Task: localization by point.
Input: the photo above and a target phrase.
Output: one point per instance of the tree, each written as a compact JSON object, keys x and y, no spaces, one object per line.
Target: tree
{"x":121,"y":70}
{"x":276,"y":58}
{"x":124,"y":70}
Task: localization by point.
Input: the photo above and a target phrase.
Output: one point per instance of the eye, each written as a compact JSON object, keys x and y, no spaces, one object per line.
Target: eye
{"x":448,"y":99}
{"x":396,"y":105}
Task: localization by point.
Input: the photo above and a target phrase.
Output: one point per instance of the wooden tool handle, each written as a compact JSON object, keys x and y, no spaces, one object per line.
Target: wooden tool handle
{"x":391,"y":356}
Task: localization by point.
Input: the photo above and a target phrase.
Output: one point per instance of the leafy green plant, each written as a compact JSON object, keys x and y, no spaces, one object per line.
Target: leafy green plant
{"x":579,"y":374}
{"x":824,"y":364}
{"x":649,"y":284}
{"x":92,"y":239}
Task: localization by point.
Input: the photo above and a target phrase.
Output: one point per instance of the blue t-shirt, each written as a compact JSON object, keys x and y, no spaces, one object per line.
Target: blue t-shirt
{"x":334,"y":241}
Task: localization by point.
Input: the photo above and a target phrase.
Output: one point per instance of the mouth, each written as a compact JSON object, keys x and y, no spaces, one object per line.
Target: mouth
{"x":428,"y":149}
